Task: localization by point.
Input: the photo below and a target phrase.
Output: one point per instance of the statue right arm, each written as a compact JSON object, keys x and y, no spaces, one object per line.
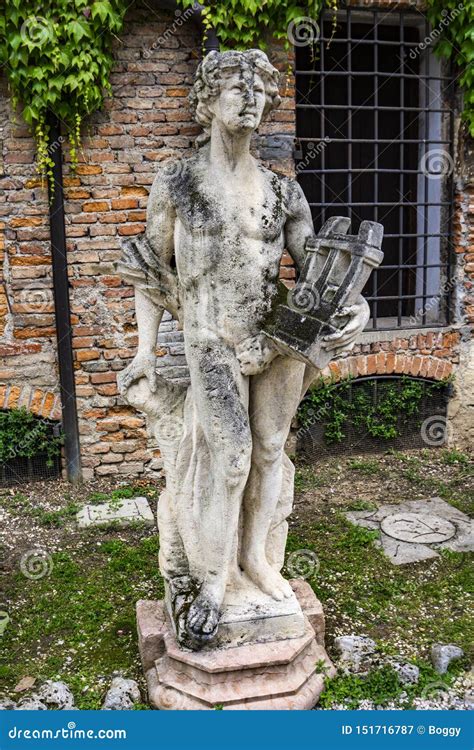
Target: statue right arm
{"x":160,"y":221}
{"x":161,"y":218}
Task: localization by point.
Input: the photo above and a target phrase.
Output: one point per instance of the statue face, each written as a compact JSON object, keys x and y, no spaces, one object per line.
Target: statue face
{"x":241,"y":101}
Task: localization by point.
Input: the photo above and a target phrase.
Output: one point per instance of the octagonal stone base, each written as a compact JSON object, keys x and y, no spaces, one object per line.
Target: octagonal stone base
{"x":284,"y":674}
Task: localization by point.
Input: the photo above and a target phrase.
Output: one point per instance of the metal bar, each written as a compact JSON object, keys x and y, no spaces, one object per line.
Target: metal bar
{"x":362,"y":171}
{"x":449,"y":227}
{"x":322,"y":90}
{"x":425,"y":188}
{"x":385,"y":43}
{"x":413,"y":266}
{"x":349,"y":109}
{"x":379,"y":140}
{"x":400,"y":182}
{"x":370,"y":73}
{"x":368,"y":108}
{"x":62,"y":310}
{"x":387,"y":297}
{"x":380,"y":203}
{"x":375,"y":282}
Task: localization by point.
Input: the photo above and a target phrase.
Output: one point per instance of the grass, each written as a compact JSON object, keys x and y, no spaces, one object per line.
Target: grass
{"x":369,"y":467}
{"x":403,"y":609}
{"x":407,"y":608}
{"x":310,"y":477}
{"x":78,"y":623}
{"x":381,"y":686}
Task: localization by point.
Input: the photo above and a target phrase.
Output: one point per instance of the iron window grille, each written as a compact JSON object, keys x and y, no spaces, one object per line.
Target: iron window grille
{"x":374,"y":125}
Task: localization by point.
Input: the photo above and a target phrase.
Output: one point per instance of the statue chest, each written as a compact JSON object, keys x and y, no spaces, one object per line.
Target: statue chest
{"x":230,"y":215}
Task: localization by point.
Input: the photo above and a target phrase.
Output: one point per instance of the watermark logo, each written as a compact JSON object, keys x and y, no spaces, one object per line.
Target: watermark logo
{"x":173,"y":167}
{"x":36,"y":564}
{"x":302,"y":563}
{"x":311,"y":417}
{"x":36,"y":297}
{"x":435,"y":430}
{"x":4,"y":619}
{"x":436,"y":164}
{"x":303,"y":31}
{"x":437,"y":691}
{"x":303,"y":298}
{"x":35,"y":30}
{"x":171,"y":431}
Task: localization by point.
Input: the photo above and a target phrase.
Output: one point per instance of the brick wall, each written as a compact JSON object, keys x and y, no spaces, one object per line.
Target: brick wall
{"x":145,"y":121}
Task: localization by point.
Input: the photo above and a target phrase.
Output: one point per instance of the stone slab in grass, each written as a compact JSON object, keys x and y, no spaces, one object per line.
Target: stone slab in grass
{"x":416,"y":529}
{"x":124,"y":512}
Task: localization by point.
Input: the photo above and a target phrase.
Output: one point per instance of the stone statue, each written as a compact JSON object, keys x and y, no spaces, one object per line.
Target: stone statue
{"x":217,"y":225}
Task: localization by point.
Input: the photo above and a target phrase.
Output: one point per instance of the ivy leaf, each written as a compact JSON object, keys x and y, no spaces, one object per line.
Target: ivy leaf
{"x":103,"y":9}
{"x":30,"y":114}
{"x":444,"y":48}
{"x":15,"y":41}
{"x":77,"y":30}
{"x":71,"y":82}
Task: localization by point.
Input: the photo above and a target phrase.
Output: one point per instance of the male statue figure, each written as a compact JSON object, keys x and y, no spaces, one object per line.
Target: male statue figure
{"x":217,"y":225}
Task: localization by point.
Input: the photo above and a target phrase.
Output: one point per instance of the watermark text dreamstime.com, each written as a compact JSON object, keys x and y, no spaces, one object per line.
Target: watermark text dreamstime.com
{"x":71,"y":732}
{"x":432,"y":302}
{"x":433,"y":36}
{"x":181,"y":18}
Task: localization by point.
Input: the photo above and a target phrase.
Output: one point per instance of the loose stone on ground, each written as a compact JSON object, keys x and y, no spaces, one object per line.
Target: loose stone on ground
{"x":122,"y":695}
{"x":443,"y":655}
{"x":124,"y":512}
{"x":414,"y":530}
{"x":353,"y":650}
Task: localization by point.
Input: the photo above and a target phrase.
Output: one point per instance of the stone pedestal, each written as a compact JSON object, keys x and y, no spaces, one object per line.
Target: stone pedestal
{"x":280,"y":674}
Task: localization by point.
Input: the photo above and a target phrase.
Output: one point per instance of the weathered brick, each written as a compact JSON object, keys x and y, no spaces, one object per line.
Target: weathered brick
{"x":131,"y":229}
{"x":123,"y":203}
{"x":95,"y":206}
{"x":87,"y":355}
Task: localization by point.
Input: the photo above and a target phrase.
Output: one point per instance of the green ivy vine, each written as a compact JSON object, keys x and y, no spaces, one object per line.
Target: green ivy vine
{"x":251,"y":23}
{"x":22,"y":435}
{"x":455,"y":22}
{"x":336,"y":405}
{"x":57,"y":56}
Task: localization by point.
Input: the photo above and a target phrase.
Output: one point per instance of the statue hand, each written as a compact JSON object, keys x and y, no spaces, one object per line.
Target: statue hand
{"x":255,"y":354}
{"x":142,"y":366}
{"x":345,"y":339}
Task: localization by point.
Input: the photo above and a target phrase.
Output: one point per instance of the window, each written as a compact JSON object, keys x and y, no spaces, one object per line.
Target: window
{"x":374,"y":130}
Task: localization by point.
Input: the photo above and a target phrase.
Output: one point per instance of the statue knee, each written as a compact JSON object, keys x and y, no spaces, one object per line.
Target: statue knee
{"x":269,"y":449}
{"x":236,"y":465}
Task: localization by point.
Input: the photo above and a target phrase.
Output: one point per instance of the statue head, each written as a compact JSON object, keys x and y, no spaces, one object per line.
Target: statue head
{"x":238,"y":88}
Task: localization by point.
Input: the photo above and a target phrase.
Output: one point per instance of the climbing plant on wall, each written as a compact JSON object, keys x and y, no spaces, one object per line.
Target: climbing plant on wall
{"x":454,"y":20}
{"x":244,"y":23}
{"x":57,"y":56}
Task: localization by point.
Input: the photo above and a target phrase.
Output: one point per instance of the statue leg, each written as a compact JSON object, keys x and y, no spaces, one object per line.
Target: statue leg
{"x":220,"y":394}
{"x":274,"y":398}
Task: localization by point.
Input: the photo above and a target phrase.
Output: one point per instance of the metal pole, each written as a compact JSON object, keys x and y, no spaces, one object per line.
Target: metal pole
{"x":62,"y":308}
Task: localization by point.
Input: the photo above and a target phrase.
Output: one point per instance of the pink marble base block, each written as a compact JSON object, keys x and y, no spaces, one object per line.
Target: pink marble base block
{"x":285,"y":674}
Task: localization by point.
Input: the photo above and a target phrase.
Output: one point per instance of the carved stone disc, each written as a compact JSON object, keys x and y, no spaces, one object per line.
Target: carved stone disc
{"x":418,"y":528}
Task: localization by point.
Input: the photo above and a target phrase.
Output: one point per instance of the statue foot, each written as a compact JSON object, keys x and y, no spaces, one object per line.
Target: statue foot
{"x":203,"y":618}
{"x":182,"y":592}
{"x":267,"y":578}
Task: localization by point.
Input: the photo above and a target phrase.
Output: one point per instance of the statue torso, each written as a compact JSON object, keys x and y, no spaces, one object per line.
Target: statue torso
{"x":228,"y":245}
